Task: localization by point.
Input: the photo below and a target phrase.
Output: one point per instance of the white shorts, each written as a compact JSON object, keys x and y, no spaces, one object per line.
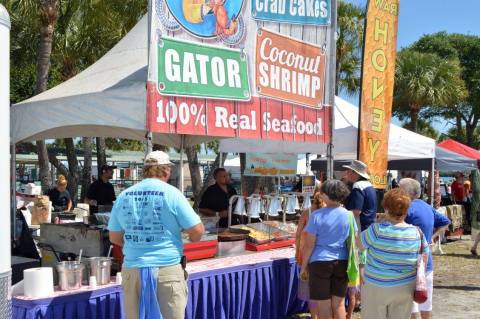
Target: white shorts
{"x":427,"y":305}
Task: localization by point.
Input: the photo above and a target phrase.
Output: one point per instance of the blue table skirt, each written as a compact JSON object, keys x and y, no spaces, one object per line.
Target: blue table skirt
{"x":260,"y":291}
{"x":104,"y":303}
{"x":264,"y":290}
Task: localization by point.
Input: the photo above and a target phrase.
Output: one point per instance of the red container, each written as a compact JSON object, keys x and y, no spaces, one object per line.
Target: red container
{"x":200,"y":250}
{"x":270,"y":245}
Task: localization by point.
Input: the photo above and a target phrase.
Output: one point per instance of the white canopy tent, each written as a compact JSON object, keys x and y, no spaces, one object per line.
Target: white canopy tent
{"x":108,"y":99}
{"x":403,"y":144}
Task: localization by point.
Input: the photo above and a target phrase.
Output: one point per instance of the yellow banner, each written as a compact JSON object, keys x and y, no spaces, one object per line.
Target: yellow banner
{"x":378,"y":72}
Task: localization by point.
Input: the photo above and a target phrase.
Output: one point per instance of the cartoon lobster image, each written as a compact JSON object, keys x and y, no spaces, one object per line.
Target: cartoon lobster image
{"x":230,"y":30}
{"x":221,"y":15}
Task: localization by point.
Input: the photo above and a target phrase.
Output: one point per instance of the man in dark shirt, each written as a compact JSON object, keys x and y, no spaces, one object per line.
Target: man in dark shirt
{"x":362,"y":200}
{"x":216,"y":198}
{"x":101,"y":192}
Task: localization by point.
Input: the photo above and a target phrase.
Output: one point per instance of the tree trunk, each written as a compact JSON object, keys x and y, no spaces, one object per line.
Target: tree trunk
{"x":194,"y":166}
{"x":44,"y":170}
{"x":209,"y":180}
{"x":414,"y":118}
{"x":48,"y":17}
{"x":459,"y":136}
{"x":337,"y":77}
{"x":101,"y":155}
{"x":87,"y":166}
{"x":470,"y":134}
{"x":73,"y":170}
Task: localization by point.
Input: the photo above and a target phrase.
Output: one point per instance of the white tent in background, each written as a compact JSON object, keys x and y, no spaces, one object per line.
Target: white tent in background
{"x":403,"y":144}
{"x":108,"y":99}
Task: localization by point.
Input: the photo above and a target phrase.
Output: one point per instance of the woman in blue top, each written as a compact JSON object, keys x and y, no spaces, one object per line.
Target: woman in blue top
{"x":325,"y":256}
{"x":391,"y":269}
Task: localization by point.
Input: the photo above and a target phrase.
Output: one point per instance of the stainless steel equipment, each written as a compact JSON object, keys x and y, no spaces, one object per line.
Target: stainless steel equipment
{"x":231,"y":248}
{"x":70,"y":275}
{"x":100,"y":267}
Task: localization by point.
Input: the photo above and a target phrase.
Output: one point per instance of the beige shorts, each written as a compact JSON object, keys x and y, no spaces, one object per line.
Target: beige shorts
{"x":387,"y":302}
{"x":171,"y":291}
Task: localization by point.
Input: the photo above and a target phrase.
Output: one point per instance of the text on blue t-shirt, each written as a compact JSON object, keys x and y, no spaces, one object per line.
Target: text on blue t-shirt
{"x":152,"y":215}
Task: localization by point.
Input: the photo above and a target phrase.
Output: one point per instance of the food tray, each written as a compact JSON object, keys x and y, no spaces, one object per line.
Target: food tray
{"x":233,"y":234}
{"x":270,"y":245}
{"x":290,"y":228}
{"x":256,"y":236}
{"x":200,"y":250}
{"x":274,"y":233}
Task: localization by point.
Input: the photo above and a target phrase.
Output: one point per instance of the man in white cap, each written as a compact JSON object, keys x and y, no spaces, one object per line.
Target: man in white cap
{"x":147,"y":220}
{"x":362,"y":201}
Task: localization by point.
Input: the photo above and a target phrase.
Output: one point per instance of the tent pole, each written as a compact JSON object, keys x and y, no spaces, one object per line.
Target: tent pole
{"x":432,"y":183}
{"x":330,"y":85}
{"x":149,"y":136}
{"x":149,"y":147}
{"x":182,"y":178}
{"x":5,"y":162}
{"x":221,"y":159}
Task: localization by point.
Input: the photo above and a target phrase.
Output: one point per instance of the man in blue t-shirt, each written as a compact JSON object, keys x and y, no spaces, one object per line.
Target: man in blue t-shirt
{"x":362,"y":200}
{"x":148,"y":220}
{"x":432,"y":224}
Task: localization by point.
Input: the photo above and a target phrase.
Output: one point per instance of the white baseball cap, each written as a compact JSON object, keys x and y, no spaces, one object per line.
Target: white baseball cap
{"x":157,"y":158}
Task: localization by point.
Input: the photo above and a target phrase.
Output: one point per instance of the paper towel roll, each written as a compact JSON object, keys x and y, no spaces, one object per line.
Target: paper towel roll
{"x":38,"y":282}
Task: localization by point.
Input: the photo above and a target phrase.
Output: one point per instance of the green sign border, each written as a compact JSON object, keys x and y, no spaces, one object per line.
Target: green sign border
{"x":241,"y":57}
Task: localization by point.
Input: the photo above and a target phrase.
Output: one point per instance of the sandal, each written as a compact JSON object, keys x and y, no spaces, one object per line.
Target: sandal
{"x":474,"y":252}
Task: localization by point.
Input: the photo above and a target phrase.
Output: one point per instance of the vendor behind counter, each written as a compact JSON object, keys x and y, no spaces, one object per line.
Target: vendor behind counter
{"x":216,"y":198}
{"x":101,"y":191}
{"x":59,"y":196}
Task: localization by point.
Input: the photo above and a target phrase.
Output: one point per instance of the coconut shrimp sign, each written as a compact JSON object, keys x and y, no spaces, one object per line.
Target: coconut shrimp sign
{"x":312,"y":12}
{"x":289,"y":70}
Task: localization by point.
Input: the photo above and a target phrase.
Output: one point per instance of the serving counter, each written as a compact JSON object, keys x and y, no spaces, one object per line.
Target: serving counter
{"x":251,"y":285}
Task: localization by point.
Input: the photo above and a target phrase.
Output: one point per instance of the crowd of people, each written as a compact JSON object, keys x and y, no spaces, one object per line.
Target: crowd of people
{"x":388,"y":244}
{"x":344,"y":214}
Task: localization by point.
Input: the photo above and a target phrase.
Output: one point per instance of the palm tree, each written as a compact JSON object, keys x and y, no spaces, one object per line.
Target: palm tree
{"x":351,"y":20}
{"x":424,"y":80}
{"x":48,"y":14}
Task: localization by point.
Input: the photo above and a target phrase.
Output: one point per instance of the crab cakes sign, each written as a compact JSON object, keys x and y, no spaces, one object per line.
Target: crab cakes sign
{"x":289,"y":70}
{"x":190,"y":69}
{"x":312,"y":12}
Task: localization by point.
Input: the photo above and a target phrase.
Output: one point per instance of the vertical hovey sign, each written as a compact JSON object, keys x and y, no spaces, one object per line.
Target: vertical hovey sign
{"x":378,"y":72}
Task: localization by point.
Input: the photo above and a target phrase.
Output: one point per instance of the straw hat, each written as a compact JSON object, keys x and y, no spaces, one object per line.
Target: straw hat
{"x":358,"y":167}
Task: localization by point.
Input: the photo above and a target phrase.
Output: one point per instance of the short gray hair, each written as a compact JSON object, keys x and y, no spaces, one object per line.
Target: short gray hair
{"x":335,"y":190}
{"x":411,"y":187}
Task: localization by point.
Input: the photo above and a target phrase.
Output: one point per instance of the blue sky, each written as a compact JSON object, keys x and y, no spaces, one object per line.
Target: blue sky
{"x":419,"y":17}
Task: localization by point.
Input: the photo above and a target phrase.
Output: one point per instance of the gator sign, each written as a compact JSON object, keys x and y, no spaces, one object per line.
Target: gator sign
{"x":191,"y":69}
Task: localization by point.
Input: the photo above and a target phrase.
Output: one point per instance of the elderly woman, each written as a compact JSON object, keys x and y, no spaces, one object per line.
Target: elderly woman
{"x":391,"y":269}
{"x":432,"y":224}
{"x":325,"y":258}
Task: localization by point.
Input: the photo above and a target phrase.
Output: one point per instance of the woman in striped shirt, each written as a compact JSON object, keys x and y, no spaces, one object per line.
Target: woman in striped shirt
{"x":391,"y":269}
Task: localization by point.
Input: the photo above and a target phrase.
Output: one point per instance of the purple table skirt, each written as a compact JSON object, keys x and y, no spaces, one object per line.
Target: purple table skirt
{"x":264,"y":290}
{"x":103,"y":303}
